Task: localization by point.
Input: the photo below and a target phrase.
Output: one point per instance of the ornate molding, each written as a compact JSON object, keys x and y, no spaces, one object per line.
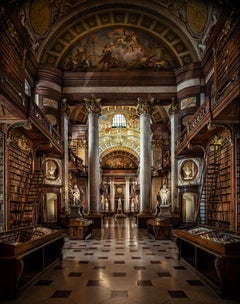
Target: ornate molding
{"x":173,"y":109}
{"x":145,"y":105}
{"x":93,"y":105}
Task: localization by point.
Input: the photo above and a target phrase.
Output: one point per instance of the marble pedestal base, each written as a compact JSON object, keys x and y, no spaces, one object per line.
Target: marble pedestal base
{"x":165,"y":211}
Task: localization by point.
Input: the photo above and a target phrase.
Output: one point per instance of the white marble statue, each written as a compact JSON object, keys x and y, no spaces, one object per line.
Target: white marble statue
{"x":119,"y":203}
{"x":164,"y":195}
{"x":77,"y":195}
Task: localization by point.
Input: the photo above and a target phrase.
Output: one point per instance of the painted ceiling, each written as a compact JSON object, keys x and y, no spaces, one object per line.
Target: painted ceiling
{"x":123,"y":35}
{"x":58,"y":28}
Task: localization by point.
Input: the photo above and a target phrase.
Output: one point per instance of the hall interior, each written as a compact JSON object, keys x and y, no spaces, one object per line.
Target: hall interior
{"x":120,"y":116}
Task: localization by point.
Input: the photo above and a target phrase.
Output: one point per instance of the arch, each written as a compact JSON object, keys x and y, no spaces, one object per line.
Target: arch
{"x":153,"y":19}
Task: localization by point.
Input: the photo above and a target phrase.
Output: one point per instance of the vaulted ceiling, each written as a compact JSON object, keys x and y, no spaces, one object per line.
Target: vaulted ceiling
{"x":77,"y":36}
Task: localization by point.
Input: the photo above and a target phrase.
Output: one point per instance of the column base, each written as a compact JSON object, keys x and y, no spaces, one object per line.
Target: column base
{"x":142,"y":219}
{"x":97,"y":219}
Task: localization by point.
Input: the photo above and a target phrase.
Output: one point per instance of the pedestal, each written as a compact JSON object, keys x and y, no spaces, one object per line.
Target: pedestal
{"x":120,"y":213}
{"x":75,"y":211}
{"x":165,"y":211}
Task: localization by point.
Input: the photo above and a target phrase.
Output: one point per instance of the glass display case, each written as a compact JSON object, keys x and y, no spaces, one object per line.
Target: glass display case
{"x":24,"y":254}
{"x":213,"y":254}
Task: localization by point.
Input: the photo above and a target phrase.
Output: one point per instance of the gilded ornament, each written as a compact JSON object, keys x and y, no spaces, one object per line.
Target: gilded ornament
{"x":40,"y":16}
{"x":197,"y":14}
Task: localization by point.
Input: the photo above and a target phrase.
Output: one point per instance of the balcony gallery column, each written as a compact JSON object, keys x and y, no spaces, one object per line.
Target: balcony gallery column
{"x":94,"y":109}
{"x":173,"y":112}
{"x":144,"y":109}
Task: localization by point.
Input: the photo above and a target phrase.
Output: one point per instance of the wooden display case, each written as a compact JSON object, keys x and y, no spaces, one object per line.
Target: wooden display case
{"x":161,"y":229}
{"x":24,"y":254}
{"x":80,"y":229}
{"x":214,"y":255}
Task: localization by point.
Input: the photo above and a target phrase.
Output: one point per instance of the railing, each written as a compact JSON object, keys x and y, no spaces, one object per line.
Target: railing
{"x":44,"y":124}
{"x":193,"y":124}
{"x":77,"y":162}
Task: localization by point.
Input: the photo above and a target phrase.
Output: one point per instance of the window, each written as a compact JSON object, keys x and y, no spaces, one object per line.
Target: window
{"x":119,"y":121}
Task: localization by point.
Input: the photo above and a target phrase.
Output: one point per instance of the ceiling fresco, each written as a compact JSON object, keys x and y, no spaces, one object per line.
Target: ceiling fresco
{"x":118,"y":49}
{"x":56,"y":28}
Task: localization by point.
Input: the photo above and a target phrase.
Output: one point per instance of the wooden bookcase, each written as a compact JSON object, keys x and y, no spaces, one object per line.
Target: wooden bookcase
{"x":1,"y":181}
{"x":217,"y":186}
{"x":238,"y":181}
{"x":20,"y":175}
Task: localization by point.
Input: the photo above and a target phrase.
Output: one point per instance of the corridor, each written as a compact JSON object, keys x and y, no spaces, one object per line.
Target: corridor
{"x":119,"y":264}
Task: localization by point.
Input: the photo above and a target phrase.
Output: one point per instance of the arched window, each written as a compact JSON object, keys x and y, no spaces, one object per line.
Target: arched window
{"x":119,"y":121}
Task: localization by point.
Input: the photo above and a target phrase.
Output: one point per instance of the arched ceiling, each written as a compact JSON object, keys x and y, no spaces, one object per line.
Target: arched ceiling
{"x":180,"y":27}
{"x":150,"y":35}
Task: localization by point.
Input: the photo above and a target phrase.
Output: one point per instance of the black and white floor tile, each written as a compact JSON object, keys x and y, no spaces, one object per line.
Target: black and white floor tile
{"x":119,"y":264}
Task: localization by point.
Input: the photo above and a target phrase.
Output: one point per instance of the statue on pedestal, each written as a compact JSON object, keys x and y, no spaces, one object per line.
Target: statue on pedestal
{"x":77,"y":208}
{"x":119,"y":203}
{"x":163,"y":203}
{"x":106,"y":209}
{"x":164,"y":195}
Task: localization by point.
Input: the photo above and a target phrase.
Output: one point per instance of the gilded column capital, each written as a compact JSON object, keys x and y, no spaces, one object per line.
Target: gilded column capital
{"x":144,"y":105}
{"x":93,"y":105}
{"x":64,"y":107}
{"x":173,"y":109}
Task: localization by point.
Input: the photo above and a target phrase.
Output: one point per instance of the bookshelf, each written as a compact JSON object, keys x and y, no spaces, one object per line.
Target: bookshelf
{"x":218,"y":185}
{"x":1,"y":181}
{"x":20,"y":174}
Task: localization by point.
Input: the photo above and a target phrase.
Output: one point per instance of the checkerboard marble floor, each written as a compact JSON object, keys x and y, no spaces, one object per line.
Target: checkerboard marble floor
{"x":119,"y":264}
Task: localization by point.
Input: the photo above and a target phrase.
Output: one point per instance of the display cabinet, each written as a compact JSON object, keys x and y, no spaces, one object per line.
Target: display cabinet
{"x":80,"y":229}
{"x":214,"y":255}
{"x":24,"y":254}
{"x":160,"y":229}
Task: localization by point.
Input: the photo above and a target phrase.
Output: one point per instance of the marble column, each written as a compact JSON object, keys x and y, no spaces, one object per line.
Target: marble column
{"x":112,"y":195}
{"x":127,"y":205}
{"x":94,"y":109}
{"x":144,"y":109}
{"x":65,"y":112}
{"x":173,"y":112}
